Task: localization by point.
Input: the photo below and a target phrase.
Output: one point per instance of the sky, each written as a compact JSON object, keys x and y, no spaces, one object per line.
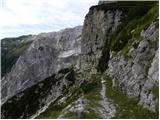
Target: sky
{"x":22,"y":17}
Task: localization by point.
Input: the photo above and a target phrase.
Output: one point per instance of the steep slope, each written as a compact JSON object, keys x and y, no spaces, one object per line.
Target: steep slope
{"x":118,"y":72}
{"x":112,"y":86}
{"x":11,"y":49}
{"x":48,"y":54}
{"x":34,"y":100}
{"x":126,"y":50}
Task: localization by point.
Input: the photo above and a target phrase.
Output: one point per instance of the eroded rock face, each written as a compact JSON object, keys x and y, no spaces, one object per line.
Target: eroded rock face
{"x":77,"y":107}
{"x":148,"y":98}
{"x":48,"y":54}
{"x":130,"y":70}
{"x":36,"y":99}
{"x":12,"y":49}
{"x":137,"y":74}
{"x":98,"y":27}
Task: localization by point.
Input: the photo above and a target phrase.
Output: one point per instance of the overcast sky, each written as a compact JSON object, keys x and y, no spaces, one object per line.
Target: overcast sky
{"x":20,"y":17}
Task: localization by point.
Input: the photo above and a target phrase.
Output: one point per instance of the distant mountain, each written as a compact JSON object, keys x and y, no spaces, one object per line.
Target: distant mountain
{"x":48,"y":53}
{"x":106,"y":69}
{"x":11,"y":49}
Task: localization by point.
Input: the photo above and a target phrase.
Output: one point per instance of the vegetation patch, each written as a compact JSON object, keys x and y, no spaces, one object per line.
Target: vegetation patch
{"x":130,"y":7}
{"x":26,"y":103}
{"x":147,"y":65}
{"x":154,"y":43}
{"x":133,"y":28}
{"x":10,"y":54}
{"x":55,"y":109}
{"x":155,"y":91}
{"x":127,"y":107}
{"x":90,"y":114}
{"x":103,"y":61}
{"x":89,"y":89}
{"x":71,"y":115}
{"x":137,"y":16}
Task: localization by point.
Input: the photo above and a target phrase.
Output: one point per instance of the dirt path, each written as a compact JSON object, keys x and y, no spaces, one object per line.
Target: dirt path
{"x":107,"y":110}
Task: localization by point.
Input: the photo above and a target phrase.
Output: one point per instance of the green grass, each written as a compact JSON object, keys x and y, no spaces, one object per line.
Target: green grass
{"x":19,"y":49}
{"x":14,"y":108}
{"x":155,"y":91}
{"x":123,"y":36}
{"x":147,"y":65}
{"x":154,"y":43}
{"x":140,"y":14}
{"x":29,"y":102}
{"x":71,"y":115}
{"x":89,"y":89}
{"x":90,"y":114}
{"x":127,"y":7}
{"x":10,"y":56}
{"x":127,"y":107}
{"x":54,"y":110}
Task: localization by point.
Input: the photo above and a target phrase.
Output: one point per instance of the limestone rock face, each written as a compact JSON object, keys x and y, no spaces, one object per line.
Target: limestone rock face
{"x":128,"y":57}
{"x":139,"y":73}
{"x":39,"y":96}
{"x":49,"y":53}
{"x":115,"y":68}
{"x":12,"y":49}
{"x":98,"y":27}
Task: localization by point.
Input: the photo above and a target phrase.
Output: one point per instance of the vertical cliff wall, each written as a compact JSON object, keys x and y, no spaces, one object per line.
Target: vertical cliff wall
{"x":99,"y":25}
{"x":120,"y":39}
{"x":118,"y":73}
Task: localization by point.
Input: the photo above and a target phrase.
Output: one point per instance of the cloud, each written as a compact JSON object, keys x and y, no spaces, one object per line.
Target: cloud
{"x":20,"y":17}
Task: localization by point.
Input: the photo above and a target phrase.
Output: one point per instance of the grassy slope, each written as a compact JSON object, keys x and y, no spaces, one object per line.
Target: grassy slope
{"x":26,"y":103}
{"x":139,"y":17}
{"x":88,"y":89}
{"x":15,"y":106}
{"x":127,"y":107}
{"x":11,"y":51}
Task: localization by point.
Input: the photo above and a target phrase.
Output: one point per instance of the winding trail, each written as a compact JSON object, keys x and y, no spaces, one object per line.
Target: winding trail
{"x":107,"y":110}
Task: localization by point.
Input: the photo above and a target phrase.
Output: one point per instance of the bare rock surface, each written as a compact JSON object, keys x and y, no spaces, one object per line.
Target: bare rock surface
{"x":48,"y":54}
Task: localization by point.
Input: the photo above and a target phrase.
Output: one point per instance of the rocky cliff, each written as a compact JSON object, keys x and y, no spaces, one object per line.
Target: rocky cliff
{"x":11,"y":49}
{"x":48,"y":54}
{"x":116,"y":75}
{"x":124,"y":44}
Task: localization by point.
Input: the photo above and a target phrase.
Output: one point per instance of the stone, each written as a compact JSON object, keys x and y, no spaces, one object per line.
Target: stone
{"x":37,"y":64}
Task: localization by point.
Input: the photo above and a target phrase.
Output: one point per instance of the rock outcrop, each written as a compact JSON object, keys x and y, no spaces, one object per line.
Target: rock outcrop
{"x":36,"y":99}
{"x":133,"y":75}
{"x":125,"y":57}
{"x":12,"y":49}
{"x":48,"y":54}
{"x":98,"y":27}
{"x":114,"y":70}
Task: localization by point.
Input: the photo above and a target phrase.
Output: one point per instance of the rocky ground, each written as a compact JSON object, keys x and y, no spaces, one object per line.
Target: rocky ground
{"x":106,"y":69}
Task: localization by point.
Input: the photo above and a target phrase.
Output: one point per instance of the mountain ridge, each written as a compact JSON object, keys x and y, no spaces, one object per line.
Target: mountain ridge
{"x":114,"y":76}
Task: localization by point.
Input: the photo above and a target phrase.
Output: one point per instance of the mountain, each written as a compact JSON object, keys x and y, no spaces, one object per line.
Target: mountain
{"x":48,"y":54}
{"x":106,"y":69}
{"x":12,"y":48}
